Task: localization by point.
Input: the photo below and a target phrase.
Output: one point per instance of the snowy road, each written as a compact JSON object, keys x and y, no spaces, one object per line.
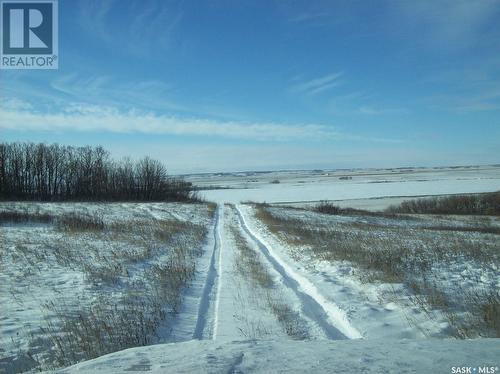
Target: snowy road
{"x":327,"y":305}
{"x":215,"y":317}
{"x":206,"y":325}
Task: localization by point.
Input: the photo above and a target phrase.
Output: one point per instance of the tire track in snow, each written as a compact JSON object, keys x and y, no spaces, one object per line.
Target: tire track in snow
{"x":218,"y":236}
{"x":206,"y":324}
{"x":315,"y":306}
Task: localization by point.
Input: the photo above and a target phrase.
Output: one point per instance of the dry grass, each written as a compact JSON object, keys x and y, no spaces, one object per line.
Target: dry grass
{"x":289,"y":319}
{"x":474,"y":313}
{"x":10,"y":216}
{"x":473,"y":226}
{"x":135,"y":271}
{"x":250,"y":267}
{"x":248,"y":264}
{"x":412,"y":255}
{"x":74,"y":222}
{"x":110,"y":325}
{"x":100,"y":328}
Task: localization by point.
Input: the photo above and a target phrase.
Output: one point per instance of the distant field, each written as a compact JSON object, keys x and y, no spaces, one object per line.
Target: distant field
{"x":307,"y":186}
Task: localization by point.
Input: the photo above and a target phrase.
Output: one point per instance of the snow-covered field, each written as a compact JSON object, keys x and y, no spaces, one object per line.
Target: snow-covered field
{"x":72,"y":272}
{"x":395,"y":277}
{"x":263,"y":288}
{"x":304,"y":186}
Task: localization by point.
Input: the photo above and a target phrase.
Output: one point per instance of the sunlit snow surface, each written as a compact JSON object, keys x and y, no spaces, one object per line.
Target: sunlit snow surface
{"x":304,"y":186}
{"x":285,"y":356}
{"x":209,"y":335}
{"x":32,"y":274}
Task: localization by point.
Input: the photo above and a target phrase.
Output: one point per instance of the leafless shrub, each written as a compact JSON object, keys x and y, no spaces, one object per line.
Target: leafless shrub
{"x":327,"y":207}
{"x":480,"y":204}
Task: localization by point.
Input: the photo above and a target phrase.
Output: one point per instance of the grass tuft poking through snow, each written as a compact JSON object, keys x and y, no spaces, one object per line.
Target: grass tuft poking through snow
{"x":12,"y":216}
{"x":94,"y":279}
{"x":250,"y":267}
{"x":80,"y":222}
{"x":453,"y":271}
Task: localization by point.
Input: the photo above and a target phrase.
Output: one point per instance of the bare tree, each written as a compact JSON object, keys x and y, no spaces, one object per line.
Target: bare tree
{"x":44,"y":172}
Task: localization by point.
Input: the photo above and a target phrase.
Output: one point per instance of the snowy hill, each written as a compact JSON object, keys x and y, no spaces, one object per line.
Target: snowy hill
{"x":285,"y":356}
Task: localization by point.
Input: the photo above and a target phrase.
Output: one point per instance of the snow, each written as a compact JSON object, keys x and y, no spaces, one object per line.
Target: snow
{"x":336,"y":317}
{"x":35,"y":270}
{"x":304,"y":186}
{"x":225,"y":322}
{"x":367,"y":305}
{"x":288,"y":356}
{"x":353,"y":305}
{"x":241,"y":311}
{"x":196,"y":318}
{"x":206,"y":325}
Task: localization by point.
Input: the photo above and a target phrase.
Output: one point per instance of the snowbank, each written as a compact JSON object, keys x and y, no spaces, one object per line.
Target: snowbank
{"x":320,"y":356}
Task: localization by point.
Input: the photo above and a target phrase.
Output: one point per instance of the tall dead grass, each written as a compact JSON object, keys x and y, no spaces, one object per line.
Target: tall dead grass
{"x":251,"y":268}
{"x":410,"y":255}
{"x":136,"y":272}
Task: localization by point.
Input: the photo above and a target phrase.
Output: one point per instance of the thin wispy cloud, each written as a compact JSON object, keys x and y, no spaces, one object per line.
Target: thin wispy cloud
{"x":377,"y":111}
{"x":93,"y":15}
{"x":450,"y":23}
{"x":332,"y":75}
{"x":317,"y":85}
{"x":147,"y":26}
{"x":21,"y":116}
{"x":474,"y":88}
{"x":148,"y":94}
{"x":484,"y":101}
{"x":308,"y":17}
{"x":81,"y":117}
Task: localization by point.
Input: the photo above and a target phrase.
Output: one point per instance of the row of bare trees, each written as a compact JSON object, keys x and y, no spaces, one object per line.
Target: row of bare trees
{"x":52,"y":172}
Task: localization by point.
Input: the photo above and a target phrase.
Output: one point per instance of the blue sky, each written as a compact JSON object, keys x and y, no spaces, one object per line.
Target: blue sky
{"x":257,"y":85}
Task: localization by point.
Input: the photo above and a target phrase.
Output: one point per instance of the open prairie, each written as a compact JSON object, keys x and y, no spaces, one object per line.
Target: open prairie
{"x":81,"y":280}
